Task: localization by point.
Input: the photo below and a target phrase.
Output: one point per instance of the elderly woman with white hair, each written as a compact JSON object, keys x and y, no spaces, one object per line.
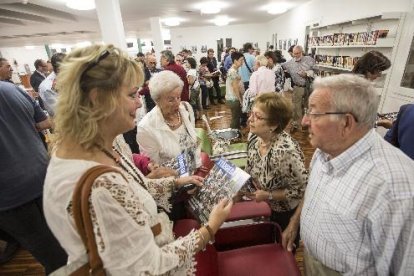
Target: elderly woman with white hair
{"x":168,"y":129}
{"x":263,"y":79}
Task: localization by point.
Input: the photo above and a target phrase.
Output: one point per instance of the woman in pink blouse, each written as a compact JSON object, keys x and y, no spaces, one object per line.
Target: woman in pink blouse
{"x":263,"y":79}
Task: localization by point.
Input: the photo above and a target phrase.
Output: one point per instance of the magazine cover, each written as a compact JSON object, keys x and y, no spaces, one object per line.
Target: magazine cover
{"x":223,"y":181}
{"x":180,"y":164}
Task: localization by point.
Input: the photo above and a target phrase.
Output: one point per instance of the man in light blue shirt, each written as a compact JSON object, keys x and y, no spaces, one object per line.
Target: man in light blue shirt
{"x":247,"y":69}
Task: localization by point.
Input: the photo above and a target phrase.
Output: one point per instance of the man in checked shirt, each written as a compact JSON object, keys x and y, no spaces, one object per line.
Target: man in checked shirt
{"x":357,"y":217}
{"x":299,"y":68}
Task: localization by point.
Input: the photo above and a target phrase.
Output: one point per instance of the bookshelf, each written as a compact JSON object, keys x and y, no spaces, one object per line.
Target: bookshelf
{"x":336,"y":47}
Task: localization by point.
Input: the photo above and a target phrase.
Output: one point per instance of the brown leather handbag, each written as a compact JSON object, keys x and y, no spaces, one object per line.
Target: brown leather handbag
{"x":80,"y":206}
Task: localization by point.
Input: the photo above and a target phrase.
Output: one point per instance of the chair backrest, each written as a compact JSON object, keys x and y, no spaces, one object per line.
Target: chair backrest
{"x":247,"y":233}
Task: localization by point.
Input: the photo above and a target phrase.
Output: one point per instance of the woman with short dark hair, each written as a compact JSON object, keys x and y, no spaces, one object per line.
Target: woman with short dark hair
{"x":235,"y":89}
{"x":275,"y":160}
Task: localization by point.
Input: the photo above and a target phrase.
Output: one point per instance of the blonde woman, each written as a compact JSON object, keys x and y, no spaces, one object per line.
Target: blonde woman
{"x":97,"y":87}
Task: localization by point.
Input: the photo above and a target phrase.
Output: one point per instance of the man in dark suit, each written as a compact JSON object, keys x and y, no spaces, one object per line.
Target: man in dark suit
{"x":39,"y":74}
{"x":212,"y":67}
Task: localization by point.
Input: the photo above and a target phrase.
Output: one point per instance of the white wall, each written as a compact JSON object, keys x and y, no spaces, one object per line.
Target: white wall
{"x":198,"y":36}
{"x":24,"y":56}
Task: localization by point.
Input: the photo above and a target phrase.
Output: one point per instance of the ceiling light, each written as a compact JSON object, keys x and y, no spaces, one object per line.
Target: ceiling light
{"x":82,"y":5}
{"x":29,"y":47}
{"x":212,"y":7}
{"x":277,"y":8}
{"x":221,"y":20}
{"x":172,"y":21}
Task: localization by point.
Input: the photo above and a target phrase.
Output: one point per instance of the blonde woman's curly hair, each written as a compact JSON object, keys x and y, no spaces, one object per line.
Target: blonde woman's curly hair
{"x":101,"y":67}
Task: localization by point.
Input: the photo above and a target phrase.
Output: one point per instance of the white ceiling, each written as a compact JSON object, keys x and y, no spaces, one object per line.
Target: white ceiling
{"x":39,"y":22}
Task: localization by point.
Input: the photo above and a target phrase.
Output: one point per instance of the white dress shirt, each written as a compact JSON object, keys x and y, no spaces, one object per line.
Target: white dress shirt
{"x":48,"y":94}
{"x":358,"y":213}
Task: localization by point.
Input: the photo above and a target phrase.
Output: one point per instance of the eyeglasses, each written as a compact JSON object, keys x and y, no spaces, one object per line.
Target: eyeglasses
{"x":256,"y":116}
{"x":308,"y":113}
{"x":92,"y":64}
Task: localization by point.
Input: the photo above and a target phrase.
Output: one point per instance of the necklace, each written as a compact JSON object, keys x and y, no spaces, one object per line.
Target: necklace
{"x":135,"y":175}
{"x":174,"y":125}
{"x":269,"y":143}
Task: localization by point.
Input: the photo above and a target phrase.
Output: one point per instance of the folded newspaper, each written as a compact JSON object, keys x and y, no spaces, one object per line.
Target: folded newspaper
{"x":223,"y":181}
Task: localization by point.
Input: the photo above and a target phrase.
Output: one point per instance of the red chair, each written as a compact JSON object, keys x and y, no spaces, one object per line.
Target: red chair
{"x":262,"y":259}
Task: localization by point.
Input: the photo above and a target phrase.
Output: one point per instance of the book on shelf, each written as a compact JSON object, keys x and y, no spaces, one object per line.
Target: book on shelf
{"x":223,"y":181}
{"x":348,"y":39}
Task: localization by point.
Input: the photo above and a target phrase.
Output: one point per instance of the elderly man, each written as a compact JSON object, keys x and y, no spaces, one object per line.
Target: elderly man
{"x":39,"y":74}
{"x":167,"y":61}
{"x":357,"y":217}
{"x":300,"y":67}
{"x":149,"y":70}
{"x":47,"y":90}
{"x":6,"y":70}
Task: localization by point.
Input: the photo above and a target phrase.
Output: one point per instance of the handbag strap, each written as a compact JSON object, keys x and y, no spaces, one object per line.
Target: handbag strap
{"x":80,"y":203}
{"x":247,"y":65}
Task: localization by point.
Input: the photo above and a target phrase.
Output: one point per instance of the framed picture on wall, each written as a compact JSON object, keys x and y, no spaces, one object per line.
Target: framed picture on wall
{"x":194,"y":49}
{"x":204,"y":49}
{"x":280,"y":44}
{"x":284,"y":44}
{"x":275,"y":41}
{"x":289,"y":43}
{"x":295,"y":42}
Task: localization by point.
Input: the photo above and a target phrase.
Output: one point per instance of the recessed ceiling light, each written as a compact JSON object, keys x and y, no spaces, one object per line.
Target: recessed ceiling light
{"x":222,"y":20}
{"x":29,"y":47}
{"x":82,"y":5}
{"x":277,"y":8}
{"x":172,"y":21}
{"x":211,"y":7}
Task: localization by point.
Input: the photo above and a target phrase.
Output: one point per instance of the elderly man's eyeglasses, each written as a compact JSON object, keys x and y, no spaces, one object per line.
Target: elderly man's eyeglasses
{"x":310,"y":114}
{"x":256,"y":116}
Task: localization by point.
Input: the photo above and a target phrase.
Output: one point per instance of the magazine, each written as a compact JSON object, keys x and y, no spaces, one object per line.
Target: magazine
{"x":223,"y":181}
{"x":179,"y":163}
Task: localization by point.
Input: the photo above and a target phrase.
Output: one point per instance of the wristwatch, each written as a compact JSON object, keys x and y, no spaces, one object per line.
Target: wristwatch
{"x":270,"y":197}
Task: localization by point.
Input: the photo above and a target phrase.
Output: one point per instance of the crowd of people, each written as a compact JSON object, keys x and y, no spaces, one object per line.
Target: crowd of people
{"x":351,"y":208}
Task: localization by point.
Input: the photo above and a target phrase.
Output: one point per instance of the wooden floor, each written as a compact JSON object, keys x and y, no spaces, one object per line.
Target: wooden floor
{"x":24,"y":264}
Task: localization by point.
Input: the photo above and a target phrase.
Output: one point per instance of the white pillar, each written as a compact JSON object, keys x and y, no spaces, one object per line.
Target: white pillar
{"x":110,"y":22}
{"x":157,"y":36}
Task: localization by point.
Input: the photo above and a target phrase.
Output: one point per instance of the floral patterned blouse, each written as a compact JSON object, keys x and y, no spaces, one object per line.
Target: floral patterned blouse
{"x":123,"y":210}
{"x":281,"y":168}
{"x":279,"y":77}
